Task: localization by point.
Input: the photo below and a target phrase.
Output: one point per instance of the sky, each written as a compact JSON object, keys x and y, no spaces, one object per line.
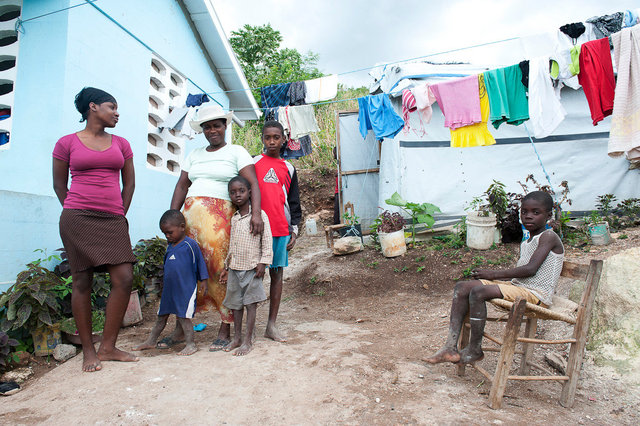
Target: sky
{"x":354,"y":34}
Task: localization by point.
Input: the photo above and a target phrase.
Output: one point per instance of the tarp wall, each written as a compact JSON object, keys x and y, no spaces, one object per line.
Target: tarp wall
{"x":426,"y":169}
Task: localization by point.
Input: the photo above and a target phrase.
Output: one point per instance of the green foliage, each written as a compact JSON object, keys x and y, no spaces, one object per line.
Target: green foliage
{"x":629,"y":207}
{"x":264,"y":62}
{"x":604,"y":203}
{"x":7,"y":345}
{"x":420,"y":268}
{"x":350,"y":219}
{"x":420,"y":213}
{"x":313,"y":280}
{"x":31,"y":301}
{"x":97,"y":323}
{"x":150,"y":255}
{"x":373,"y":265}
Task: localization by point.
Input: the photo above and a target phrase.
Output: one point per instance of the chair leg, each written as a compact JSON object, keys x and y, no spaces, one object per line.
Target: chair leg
{"x":574,"y":365}
{"x":462,"y":343}
{"x":506,"y":353}
{"x":527,"y":348}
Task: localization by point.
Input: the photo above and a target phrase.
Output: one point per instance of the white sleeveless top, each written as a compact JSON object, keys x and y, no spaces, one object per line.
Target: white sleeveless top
{"x":543,"y":283}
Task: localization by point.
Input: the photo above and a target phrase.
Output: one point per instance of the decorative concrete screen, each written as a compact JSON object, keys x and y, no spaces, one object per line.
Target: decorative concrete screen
{"x":9,"y":15}
{"x":167,"y":90}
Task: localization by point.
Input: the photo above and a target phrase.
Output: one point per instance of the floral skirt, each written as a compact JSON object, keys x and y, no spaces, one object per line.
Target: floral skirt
{"x":209,"y":223}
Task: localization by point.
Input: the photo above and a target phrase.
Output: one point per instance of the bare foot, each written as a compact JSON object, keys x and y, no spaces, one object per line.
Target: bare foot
{"x":145,"y":345}
{"x":231,"y":346}
{"x":469,"y":356}
{"x":443,"y":355}
{"x":244,"y":349}
{"x":116,"y":355}
{"x":273,"y":333}
{"x":91,"y":363}
{"x":190,"y":349}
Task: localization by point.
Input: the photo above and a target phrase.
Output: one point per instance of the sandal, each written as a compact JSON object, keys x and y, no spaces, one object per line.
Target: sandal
{"x":167,"y":343}
{"x":9,"y":388}
{"x":218,"y":345}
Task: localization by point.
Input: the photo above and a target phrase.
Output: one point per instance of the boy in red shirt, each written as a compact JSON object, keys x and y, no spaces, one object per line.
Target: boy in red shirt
{"x":280,"y":196}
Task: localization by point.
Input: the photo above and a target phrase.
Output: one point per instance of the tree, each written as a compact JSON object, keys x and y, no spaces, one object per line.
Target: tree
{"x":264,"y":62}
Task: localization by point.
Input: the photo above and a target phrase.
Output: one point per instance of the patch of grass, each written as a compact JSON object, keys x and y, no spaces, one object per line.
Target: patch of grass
{"x":455,"y":262}
{"x":313,"y":280}
{"x":420,"y":268}
{"x":466,"y":273}
{"x":420,"y":258}
{"x":405,"y":269}
{"x":623,"y":237}
{"x":493,"y":246}
{"x":373,"y":265}
{"x":319,"y":293}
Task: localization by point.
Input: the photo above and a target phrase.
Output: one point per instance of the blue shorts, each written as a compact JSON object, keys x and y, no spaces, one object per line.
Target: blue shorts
{"x":280,"y":253}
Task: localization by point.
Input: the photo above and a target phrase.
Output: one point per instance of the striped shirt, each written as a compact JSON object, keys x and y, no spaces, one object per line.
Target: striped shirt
{"x":245,"y":249}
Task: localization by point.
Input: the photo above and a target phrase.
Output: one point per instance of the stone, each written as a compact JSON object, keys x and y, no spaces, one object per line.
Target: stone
{"x":556,"y":361}
{"x":614,"y":335}
{"x":63,"y":352}
{"x":347,"y":245}
{"x":19,"y":375}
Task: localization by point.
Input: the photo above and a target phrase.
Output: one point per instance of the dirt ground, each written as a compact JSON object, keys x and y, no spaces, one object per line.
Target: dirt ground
{"x":357,"y":328}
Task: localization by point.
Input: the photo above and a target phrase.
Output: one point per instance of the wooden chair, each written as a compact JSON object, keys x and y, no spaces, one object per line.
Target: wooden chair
{"x":521,"y":311}
{"x":329,"y":230}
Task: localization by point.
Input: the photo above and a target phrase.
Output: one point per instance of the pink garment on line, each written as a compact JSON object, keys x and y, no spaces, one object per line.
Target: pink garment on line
{"x":95,"y":175}
{"x":459,"y":101}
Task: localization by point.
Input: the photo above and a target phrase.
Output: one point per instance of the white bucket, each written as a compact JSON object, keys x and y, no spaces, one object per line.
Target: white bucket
{"x":480,"y":230}
{"x":310,"y":226}
{"x":599,"y":234}
{"x":393,"y":243}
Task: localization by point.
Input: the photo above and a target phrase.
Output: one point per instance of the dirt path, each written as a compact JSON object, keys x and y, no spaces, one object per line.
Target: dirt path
{"x":356,"y":336}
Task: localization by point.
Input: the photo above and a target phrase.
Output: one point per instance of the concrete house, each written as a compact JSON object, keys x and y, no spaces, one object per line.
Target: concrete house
{"x":149,"y":54}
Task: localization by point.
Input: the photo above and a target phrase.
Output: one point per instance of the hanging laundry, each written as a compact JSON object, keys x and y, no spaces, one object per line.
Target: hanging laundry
{"x":301,"y":120}
{"x":624,"y":136}
{"x":606,"y":25}
{"x":524,"y":69}
{"x":376,"y":113}
{"x":630,"y":17}
{"x":4,"y":138}
{"x":458,"y":99}
{"x":596,"y":78}
{"x":507,"y":96}
{"x":321,"y":89}
{"x":175,"y":119}
{"x":196,"y":100}
{"x":475,"y":134}
{"x":562,"y":54}
{"x":297,"y":93}
{"x":409,"y":106}
{"x":545,"y":110}
{"x":574,"y":30}
{"x":297,"y":149}
{"x":424,"y":99}
{"x":276,"y":95}
{"x":188,"y":130}
{"x":271,"y":114}
{"x":5,"y":113}
{"x":574,"y":66}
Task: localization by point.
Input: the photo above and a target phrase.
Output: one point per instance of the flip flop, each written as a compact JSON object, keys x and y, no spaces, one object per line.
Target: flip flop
{"x":199,"y":327}
{"x":218,"y":344}
{"x":9,"y":388}
{"x":166,"y":343}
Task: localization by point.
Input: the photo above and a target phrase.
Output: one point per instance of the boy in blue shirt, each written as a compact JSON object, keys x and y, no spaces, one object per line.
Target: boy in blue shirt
{"x":184,"y":266}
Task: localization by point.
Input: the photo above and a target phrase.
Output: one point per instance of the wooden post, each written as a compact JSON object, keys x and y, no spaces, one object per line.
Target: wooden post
{"x":580,"y":331}
{"x":462,"y":343}
{"x":527,"y":348}
{"x":512,"y":330}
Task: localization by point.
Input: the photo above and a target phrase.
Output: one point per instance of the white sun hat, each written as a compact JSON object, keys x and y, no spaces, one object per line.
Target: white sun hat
{"x":208,"y":113}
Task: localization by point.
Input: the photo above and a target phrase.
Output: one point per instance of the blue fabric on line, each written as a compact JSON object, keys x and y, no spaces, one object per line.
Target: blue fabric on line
{"x":4,"y":138}
{"x":377,"y":114}
{"x":276,"y":95}
{"x":196,"y":100}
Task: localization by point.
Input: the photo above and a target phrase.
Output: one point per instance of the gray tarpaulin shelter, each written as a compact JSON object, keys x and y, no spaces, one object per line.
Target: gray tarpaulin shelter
{"x":426,"y":169}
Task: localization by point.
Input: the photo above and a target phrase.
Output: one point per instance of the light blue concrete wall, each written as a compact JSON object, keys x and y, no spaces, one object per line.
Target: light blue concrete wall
{"x":61,"y":53}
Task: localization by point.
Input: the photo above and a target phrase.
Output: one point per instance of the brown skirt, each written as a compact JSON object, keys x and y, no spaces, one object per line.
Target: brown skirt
{"x":95,"y":239}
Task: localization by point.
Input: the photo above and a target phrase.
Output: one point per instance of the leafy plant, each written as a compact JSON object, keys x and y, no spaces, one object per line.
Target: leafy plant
{"x":351,"y":219}
{"x":604,"y":203}
{"x":97,"y":323}
{"x":7,"y":345}
{"x":629,"y":206}
{"x":389,"y":222}
{"x":420,"y":268}
{"x":593,"y":219}
{"x":31,"y":301}
{"x":150,"y":260}
{"x":420,"y":213}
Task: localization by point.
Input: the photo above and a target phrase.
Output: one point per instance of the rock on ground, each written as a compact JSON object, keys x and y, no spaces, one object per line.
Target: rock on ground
{"x":64,"y":352}
{"x":19,"y":375}
{"x":346,"y":245}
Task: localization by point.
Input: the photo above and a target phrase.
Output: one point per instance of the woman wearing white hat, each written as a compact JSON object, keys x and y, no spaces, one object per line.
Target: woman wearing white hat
{"x":202,"y":189}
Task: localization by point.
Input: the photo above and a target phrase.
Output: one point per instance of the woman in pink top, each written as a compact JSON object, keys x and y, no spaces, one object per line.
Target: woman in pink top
{"x":93,"y":227}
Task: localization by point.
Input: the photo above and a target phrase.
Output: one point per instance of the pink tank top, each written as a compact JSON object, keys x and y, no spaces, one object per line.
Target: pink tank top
{"x":95,"y":175}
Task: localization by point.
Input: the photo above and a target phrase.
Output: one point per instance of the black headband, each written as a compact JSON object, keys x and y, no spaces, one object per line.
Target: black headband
{"x":91,"y":94}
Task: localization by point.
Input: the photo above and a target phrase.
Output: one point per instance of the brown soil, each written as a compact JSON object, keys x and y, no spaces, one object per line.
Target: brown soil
{"x":358,"y":326}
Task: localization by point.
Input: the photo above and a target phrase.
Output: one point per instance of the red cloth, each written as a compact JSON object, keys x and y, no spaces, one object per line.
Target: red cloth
{"x":95,"y":175}
{"x":596,"y":78}
{"x":274,"y":178}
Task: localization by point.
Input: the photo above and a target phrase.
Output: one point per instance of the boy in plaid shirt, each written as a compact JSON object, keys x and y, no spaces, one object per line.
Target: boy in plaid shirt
{"x":248,"y":257}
